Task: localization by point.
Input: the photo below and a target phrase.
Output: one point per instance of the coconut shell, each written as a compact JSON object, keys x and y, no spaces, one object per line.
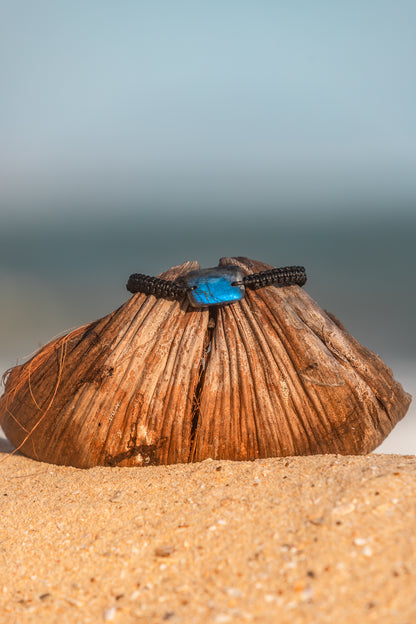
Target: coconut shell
{"x":159,"y":382}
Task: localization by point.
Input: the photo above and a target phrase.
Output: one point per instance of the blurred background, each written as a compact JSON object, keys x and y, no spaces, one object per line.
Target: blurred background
{"x":137,"y":135}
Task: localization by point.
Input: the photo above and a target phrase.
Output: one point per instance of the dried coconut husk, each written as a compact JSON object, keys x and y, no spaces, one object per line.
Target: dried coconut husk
{"x":160,"y":382}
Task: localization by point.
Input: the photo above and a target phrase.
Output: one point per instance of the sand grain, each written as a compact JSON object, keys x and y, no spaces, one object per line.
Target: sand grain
{"x":307,"y":539}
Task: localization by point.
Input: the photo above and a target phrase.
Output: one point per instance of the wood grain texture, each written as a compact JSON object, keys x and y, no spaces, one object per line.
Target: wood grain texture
{"x":160,"y":382}
{"x":117,"y":392}
{"x":283,"y":378}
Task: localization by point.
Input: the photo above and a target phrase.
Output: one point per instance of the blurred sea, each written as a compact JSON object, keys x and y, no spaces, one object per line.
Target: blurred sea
{"x":60,"y":273}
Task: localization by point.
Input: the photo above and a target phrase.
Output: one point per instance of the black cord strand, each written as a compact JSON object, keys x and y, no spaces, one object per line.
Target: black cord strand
{"x":155,"y":286}
{"x":284,"y":276}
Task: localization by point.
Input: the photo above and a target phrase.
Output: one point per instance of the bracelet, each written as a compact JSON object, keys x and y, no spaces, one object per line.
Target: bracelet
{"x":215,"y":286}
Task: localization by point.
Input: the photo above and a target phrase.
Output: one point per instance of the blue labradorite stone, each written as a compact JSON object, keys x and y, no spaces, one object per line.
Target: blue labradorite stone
{"x":214,"y":286}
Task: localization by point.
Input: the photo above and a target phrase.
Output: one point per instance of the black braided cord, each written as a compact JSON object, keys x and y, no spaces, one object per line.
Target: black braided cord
{"x":155,"y":286}
{"x":284,"y":276}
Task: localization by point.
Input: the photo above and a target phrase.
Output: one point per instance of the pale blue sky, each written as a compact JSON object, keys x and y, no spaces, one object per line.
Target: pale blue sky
{"x":179,"y":103}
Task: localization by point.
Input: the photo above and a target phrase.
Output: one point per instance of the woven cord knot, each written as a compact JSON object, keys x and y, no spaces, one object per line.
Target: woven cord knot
{"x":154,"y":286}
{"x":284,"y":276}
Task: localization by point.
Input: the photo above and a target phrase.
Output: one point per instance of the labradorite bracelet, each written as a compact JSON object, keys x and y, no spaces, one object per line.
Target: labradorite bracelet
{"x":215,"y":286}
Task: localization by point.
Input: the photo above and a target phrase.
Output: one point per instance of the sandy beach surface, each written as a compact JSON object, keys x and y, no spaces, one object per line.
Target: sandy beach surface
{"x":307,"y":539}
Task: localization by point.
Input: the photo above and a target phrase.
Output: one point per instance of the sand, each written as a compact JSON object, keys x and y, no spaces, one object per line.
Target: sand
{"x":306,"y":539}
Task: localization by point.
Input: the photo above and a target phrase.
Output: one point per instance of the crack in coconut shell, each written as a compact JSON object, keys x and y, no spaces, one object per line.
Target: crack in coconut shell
{"x":196,"y":403}
{"x":160,"y":382}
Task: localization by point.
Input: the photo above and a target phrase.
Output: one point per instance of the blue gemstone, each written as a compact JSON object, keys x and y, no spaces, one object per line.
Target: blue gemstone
{"x":215,"y":286}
